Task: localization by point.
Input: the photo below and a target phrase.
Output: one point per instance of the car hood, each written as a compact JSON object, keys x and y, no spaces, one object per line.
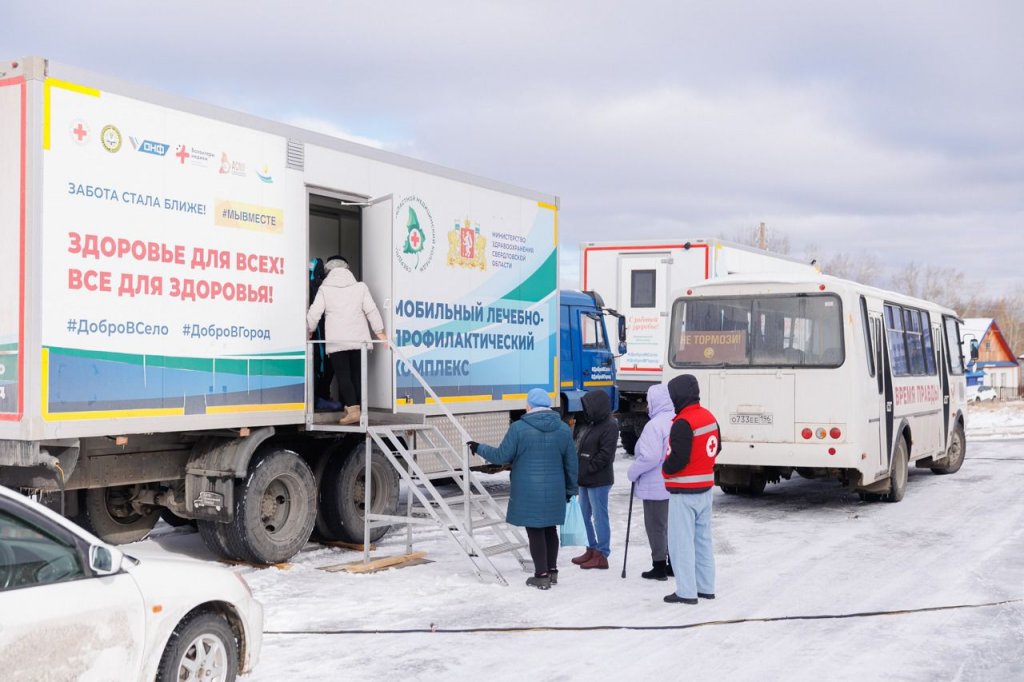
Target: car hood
{"x":184,"y":580}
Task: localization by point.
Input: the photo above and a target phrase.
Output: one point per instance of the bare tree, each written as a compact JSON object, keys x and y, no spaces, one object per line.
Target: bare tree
{"x":863,"y":268}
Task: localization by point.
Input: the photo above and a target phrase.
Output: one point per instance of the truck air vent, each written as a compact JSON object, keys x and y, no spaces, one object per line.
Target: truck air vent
{"x":296,"y":155}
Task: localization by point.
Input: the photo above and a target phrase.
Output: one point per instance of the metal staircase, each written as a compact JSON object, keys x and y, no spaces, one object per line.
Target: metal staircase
{"x":474,"y":521}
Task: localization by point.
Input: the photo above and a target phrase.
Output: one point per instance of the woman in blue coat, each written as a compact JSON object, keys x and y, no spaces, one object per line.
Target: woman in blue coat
{"x":540,"y":449}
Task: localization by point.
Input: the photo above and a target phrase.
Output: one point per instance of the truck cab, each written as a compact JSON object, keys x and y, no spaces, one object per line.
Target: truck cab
{"x":586,"y":360}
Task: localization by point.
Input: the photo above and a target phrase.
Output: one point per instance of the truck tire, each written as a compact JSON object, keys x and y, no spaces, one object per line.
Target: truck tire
{"x":275,"y":507}
{"x":629,"y":439}
{"x":220,"y":539}
{"x":175,"y":521}
{"x":202,"y":647}
{"x":898,"y":476}
{"x":343,"y":494}
{"x":954,"y":453}
{"x":107,"y":513}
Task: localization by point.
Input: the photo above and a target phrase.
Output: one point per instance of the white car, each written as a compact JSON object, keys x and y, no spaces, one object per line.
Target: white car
{"x":984,"y":393}
{"x":73,"y":608}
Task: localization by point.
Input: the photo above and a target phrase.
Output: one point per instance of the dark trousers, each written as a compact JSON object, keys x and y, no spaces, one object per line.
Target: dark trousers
{"x":346,"y":373}
{"x":543,"y":549}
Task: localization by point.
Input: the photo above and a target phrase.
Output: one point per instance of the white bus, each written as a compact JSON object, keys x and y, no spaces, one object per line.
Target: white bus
{"x":824,"y":377}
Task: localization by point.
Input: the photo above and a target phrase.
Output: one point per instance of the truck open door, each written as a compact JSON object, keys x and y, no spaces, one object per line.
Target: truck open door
{"x":378,"y":274}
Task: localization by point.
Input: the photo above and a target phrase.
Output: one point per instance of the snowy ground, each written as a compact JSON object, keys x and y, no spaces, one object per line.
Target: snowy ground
{"x":945,"y":565}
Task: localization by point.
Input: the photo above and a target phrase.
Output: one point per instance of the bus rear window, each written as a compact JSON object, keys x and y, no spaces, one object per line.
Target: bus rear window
{"x":803,"y":330}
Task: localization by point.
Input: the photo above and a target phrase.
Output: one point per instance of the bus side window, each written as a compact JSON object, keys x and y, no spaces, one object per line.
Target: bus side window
{"x":953,"y":348}
{"x":897,"y":344}
{"x":929,"y":346}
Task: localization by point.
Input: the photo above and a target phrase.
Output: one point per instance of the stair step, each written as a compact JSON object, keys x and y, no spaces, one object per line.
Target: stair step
{"x":438,"y":475}
{"x":504,"y":547}
{"x":428,"y":451}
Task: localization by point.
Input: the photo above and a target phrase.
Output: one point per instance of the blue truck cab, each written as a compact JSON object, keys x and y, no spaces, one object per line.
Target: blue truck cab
{"x":585,"y":359}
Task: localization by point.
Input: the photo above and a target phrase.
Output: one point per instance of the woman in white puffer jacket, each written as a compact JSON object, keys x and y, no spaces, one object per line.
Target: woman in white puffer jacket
{"x":349,"y":308}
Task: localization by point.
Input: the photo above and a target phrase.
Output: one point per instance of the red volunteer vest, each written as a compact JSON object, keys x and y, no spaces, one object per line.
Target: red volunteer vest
{"x":700,"y":472}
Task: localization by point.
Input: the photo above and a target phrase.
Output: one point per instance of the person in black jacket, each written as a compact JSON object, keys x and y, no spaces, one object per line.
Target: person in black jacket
{"x":596,"y":451}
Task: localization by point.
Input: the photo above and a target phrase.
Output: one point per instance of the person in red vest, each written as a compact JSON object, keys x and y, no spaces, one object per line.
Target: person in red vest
{"x":689,"y":472}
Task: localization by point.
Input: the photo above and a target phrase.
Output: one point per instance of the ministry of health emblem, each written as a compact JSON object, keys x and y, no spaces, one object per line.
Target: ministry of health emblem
{"x":466,"y":246}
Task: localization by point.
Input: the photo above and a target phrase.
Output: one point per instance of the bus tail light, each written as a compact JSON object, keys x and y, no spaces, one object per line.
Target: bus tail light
{"x":831,"y":451}
{"x":820,"y":433}
{"x":835,"y":433}
{"x":806,"y":433}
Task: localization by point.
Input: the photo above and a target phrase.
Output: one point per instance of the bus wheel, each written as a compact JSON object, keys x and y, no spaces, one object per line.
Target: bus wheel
{"x":275,"y":506}
{"x":729,"y":489}
{"x":756,"y":486}
{"x":898,"y":477}
{"x":954,"y":454}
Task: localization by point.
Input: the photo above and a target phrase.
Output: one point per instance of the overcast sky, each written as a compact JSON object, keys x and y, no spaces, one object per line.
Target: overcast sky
{"x":883,"y":127}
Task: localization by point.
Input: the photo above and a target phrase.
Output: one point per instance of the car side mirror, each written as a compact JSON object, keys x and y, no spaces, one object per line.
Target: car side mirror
{"x":104,"y":560}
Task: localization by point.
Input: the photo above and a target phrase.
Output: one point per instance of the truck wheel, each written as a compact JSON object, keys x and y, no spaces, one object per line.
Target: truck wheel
{"x":202,"y":647}
{"x":343,"y":494}
{"x":275,"y":507}
{"x":954,"y":454}
{"x":220,"y":538}
{"x":629,"y":439}
{"x":109,"y":515}
{"x":898,"y":477}
{"x":175,"y":521}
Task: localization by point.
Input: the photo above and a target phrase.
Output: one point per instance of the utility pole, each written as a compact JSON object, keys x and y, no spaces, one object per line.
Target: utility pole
{"x":762,"y":238}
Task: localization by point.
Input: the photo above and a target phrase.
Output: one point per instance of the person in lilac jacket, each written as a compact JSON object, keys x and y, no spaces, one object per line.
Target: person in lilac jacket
{"x":645,"y":471}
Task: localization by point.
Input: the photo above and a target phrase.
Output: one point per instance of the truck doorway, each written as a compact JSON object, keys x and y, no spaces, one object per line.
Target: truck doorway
{"x":358,"y":229}
{"x":335,"y":229}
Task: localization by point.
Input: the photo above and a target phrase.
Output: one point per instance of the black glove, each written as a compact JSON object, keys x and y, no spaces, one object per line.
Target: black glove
{"x":568,"y":499}
{"x":473,"y":445}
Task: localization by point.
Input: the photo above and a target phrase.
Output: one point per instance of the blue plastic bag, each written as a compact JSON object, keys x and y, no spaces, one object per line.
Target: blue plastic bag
{"x":574,"y":534}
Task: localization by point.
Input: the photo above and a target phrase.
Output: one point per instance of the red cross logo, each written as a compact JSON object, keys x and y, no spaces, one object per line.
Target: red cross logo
{"x":79,"y":132}
{"x":414,"y":239}
{"x":182,"y":154}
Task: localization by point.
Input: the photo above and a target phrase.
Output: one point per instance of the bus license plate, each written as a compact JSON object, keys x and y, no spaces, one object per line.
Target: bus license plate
{"x":751,"y":419}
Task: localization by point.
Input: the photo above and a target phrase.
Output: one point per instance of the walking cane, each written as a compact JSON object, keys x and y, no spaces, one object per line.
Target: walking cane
{"x":629,"y":522}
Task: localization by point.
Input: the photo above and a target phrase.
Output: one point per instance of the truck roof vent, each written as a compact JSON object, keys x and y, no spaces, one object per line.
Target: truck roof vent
{"x":295,"y":155}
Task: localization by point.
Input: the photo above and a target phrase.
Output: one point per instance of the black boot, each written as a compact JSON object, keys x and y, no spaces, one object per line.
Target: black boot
{"x":656,"y":573}
{"x":668,"y":568}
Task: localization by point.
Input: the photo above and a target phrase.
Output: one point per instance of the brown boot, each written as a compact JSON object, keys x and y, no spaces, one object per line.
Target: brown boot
{"x":585,"y":557}
{"x":351,"y":416}
{"x":598,"y":560}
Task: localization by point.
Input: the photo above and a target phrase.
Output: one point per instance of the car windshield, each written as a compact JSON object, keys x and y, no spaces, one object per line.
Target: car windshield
{"x":797,"y":330}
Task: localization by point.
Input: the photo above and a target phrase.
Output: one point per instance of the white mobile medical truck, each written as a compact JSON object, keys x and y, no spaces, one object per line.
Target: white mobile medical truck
{"x":637,"y":279}
{"x":153,"y":290}
{"x":822,"y":377}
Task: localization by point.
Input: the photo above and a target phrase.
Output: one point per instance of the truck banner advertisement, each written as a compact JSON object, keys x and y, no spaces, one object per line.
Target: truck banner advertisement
{"x":176,"y":262}
{"x":12,"y":233}
{"x":480,"y":319}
